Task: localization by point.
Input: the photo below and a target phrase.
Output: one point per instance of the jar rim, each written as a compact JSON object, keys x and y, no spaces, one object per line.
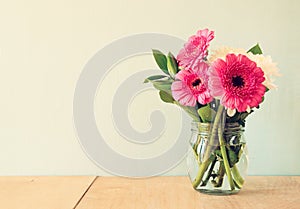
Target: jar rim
{"x":204,"y":126}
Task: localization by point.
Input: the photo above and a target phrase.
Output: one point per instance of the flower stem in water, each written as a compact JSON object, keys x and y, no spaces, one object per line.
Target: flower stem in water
{"x":225,"y":159}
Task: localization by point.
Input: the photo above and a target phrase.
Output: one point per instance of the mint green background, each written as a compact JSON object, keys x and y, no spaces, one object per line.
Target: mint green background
{"x":44,"y":46}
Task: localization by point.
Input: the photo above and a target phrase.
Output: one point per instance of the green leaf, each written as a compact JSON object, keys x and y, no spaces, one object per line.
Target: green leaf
{"x":166,"y":97}
{"x":206,"y":114}
{"x":163,"y":85}
{"x":172,"y":65}
{"x":161,"y":60}
{"x":232,"y":157}
{"x":154,"y":77}
{"x":245,"y":114}
{"x":267,"y":89}
{"x":255,"y":49}
{"x":233,"y":119}
{"x":191,"y":111}
{"x":218,"y":153}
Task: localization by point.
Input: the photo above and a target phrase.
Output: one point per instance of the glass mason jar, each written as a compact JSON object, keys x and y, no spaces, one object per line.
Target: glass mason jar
{"x":217,"y":158}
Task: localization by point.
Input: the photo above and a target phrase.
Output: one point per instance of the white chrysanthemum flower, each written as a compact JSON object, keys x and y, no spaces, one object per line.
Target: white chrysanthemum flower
{"x":269,"y":68}
{"x":223,"y":51}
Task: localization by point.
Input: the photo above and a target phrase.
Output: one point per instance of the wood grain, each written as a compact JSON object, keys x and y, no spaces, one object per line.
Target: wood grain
{"x":262,"y":192}
{"x":177,"y":193}
{"x":42,"y":192}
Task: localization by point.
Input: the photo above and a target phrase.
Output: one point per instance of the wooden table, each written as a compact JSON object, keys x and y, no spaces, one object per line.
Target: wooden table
{"x":89,"y":192}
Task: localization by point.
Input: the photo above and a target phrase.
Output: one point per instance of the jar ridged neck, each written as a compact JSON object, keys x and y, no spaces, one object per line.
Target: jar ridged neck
{"x":206,"y":127}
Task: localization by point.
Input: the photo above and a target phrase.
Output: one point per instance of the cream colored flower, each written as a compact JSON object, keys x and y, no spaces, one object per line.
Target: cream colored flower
{"x":269,"y":68}
{"x":223,"y":51}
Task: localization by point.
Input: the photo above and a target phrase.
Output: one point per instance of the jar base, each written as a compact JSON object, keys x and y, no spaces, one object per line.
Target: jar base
{"x":218,"y":192}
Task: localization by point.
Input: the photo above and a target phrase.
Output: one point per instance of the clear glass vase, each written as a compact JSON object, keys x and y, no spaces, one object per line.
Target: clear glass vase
{"x":217,"y":158}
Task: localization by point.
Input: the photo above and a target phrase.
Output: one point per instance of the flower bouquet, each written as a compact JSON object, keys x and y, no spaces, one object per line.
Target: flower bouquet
{"x":218,"y":90}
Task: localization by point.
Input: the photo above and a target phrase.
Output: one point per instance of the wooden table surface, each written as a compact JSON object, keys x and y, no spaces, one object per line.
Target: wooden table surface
{"x":90,"y":192}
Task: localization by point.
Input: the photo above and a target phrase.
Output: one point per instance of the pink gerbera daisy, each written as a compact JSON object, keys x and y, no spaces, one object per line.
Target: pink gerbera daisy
{"x":237,"y":81}
{"x":191,"y":86}
{"x":195,"y":49}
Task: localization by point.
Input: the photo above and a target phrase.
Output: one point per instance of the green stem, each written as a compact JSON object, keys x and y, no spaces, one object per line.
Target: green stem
{"x":238,"y":179}
{"x":225,"y":159}
{"x":197,"y":143}
{"x":220,"y":177}
{"x":196,"y":157}
{"x":194,"y":147}
{"x":203,"y":167}
{"x":207,"y":160}
{"x":214,"y":160}
{"x":213,"y":132}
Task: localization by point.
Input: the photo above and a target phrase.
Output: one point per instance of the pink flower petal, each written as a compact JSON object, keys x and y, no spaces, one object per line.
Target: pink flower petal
{"x":237,"y":82}
{"x":192,"y":86}
{"x":182,"y":74}
{"x":195,"y":49}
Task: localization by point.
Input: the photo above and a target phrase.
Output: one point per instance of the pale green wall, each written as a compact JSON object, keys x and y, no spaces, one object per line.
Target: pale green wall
{"x":44,"y":46}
